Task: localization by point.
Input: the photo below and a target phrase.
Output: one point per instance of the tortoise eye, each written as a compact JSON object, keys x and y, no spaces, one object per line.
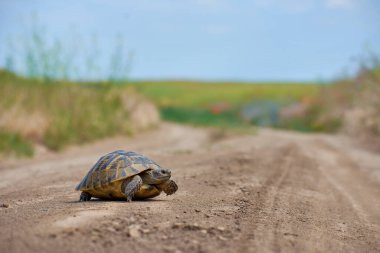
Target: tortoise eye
{"x":165,"y":172}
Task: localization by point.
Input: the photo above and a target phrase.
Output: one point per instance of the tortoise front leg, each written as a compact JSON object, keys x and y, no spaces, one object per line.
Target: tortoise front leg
{"x":130,"y":186}
{"x":85,"y":196}
{"x":169,"y":187}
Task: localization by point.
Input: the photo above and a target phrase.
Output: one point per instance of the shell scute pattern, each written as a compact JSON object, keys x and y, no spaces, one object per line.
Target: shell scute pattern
{"x":122,"y":173}
{"x":112,"y":175}
{"x":107,"y":161}
{"x":115,"y":166}
{"x":142,"y":160}
{"x":131,"y":153}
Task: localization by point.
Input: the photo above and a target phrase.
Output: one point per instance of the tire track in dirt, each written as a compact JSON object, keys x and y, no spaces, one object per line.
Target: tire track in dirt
{"x":359,"y":194}
{"x":349,"y":173}
{"x":264,"y":205}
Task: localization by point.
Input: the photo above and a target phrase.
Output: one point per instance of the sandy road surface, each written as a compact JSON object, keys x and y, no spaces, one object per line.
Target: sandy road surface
{"x":270,"y":192}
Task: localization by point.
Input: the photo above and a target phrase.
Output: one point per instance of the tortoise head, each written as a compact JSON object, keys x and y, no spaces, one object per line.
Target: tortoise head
{"x":156,"y":176}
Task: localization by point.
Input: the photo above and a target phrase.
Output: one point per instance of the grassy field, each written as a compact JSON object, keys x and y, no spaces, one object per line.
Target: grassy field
{"x":220,"y":103}
{"x":202,"y":94}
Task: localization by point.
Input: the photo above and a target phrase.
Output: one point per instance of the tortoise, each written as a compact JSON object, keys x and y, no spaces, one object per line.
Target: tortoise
{"x":125,"y":175}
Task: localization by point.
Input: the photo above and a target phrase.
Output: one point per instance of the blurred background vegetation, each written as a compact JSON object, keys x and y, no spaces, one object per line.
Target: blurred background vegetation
{"x":58,"y":113}
{"x":49,"y":105}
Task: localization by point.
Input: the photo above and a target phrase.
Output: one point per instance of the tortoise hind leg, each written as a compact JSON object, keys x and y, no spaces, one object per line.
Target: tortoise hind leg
{"x":85,"y":196}
{"x":130,"y":186}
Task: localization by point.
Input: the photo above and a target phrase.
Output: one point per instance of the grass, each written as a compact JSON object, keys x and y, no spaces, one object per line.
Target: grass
{"x":201,"y":94}
{"x":200,"y":117}
{"x":57,"y":114}
{"x":353,"y":105}
{"x":11,"y":143}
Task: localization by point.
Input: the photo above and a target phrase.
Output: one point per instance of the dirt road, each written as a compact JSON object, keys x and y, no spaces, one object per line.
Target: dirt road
{"x":270,"y":192}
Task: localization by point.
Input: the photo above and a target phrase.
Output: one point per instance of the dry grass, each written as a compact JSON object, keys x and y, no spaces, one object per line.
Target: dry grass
{"x":351,"y":106}
{"x":362,"y":119}
{"x":57,"y":114}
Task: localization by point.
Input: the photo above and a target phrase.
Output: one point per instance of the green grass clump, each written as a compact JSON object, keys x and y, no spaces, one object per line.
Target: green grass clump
{"x":14,"y":144}
{"x":201,"y":117}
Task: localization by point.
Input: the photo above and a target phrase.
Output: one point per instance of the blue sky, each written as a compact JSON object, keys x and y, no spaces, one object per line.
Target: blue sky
{"x":208,"y":39}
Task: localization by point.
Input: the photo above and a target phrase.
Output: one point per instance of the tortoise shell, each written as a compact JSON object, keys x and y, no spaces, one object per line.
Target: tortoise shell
{"x":115,"y":166}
